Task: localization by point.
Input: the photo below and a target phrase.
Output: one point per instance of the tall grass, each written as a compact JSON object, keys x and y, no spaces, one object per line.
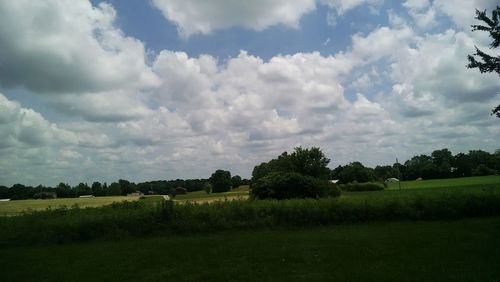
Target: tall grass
{"x":144,"y":218}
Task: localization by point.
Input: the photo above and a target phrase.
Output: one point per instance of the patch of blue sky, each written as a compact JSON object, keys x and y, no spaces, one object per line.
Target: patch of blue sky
{"x":144,"y":22}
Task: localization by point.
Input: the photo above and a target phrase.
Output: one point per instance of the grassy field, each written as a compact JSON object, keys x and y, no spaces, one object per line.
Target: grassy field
{"x":410,"y":188}
{"x":464,"y":250}
{"x":16,"y":207}
{"x":444,"y":183}
{"x":202,"y":196}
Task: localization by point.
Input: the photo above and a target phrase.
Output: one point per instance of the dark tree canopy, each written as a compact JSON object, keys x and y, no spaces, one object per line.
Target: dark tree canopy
{"x":221,"y":181}
{"x":481,"y":60}
{"x":236,"y":181}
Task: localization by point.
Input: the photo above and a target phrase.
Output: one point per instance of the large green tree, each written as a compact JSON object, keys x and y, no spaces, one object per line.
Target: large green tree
{"x":221,"y":181}
{"x":236,"y":181}
{"x":310,"y":162}
{"x":481,"y":60}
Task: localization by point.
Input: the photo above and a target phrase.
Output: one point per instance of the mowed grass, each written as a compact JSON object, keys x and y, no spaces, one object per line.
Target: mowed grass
{"x":241,"y":192}
{"x":484,"y":181}
{"x":16,"y":207}
{"x":463,"y":250}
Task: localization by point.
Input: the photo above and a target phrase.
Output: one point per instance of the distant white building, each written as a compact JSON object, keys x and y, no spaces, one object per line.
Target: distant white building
{"x":334,"y":181}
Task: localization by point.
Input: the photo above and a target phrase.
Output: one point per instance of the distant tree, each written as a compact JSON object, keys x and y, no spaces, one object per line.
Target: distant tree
{"x":481,"y":60}
{"x":97,"y":189}
{"x":311,"y":162}
{"x":127,"y":187}
{"x":356,"y":171}
{"x":63,"y":190}
{"x":4,"y":192}
{"x":496,"y":160}
{"x":19,"y":192}
{"x":442,"y":159}
{"x":82,"y":189}
{"x":114,"y":189}
{"x":287,"y":185}
{"x":208,"y":188}
{"x":482,"y":170}
{"x":420,"y":167}
{"x":381,"y":173}
{"x":236,"y":181}
{"x":221,"y":181}
{"x":461,"y":165}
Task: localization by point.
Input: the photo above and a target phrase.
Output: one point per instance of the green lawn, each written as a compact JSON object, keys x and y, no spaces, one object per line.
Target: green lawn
{"x":443,"y":183}
{"x":16,"y":207}
{"x":465,"y":250}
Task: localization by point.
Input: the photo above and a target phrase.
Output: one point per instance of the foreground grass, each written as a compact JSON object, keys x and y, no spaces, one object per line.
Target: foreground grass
{"x":463,"y":250}
{"x":484,"y":181}
{"x":16,"y":207}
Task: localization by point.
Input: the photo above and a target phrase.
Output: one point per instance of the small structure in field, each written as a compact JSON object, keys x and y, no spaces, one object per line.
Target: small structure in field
{"x":334,"y":181}
{"x":4,"y":200}
{"x":86,"y":196}
{"x":180,"y":191}
{"x":136,"y":193}
{"x":392,"y":179}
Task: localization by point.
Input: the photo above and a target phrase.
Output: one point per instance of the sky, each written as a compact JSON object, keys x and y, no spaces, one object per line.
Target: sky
{"x":166,"y":89}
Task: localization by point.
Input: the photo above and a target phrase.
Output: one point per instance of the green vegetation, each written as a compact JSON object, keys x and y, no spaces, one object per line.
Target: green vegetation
{"x":162,"y":217}
{"x":356,"y":187}
{"x":202,"y":195}
{"x":402,"y":251}
{"x":17,"y":207}
{"x":487,"y":62}
{"x":300,"y":174}
{"x":289,"y":185}
{"x":484,"y":181}
{"x":221,"y":181}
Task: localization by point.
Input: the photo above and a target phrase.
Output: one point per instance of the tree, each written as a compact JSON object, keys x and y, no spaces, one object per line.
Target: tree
{"x":442,"y":159}
{"x":221,"y":181}
{"x":311,"y":162}
{"x":288,"y":185}
{"x":381,"y":173}
{"x":82,"y":189}
{"x":236,"y":181}
{"x":486,"y":62}
{"x":97,"y":189}
{"x":4,"y":192}
{"x":356,"y":171}
{"x":63,"y":190}
{"x":114,"y":189}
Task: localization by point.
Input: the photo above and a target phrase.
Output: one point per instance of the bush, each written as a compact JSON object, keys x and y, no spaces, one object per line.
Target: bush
{"x":357,"y":187}
{"x":288,"y":185}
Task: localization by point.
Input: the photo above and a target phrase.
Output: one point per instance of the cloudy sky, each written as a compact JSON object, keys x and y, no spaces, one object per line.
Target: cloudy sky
{"x":165,"y":89}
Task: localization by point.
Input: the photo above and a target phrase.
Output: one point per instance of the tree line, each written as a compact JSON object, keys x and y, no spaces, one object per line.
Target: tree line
{"x":309,"y":162}
{"x":121,"y":187}
{"x":440,"y":164}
